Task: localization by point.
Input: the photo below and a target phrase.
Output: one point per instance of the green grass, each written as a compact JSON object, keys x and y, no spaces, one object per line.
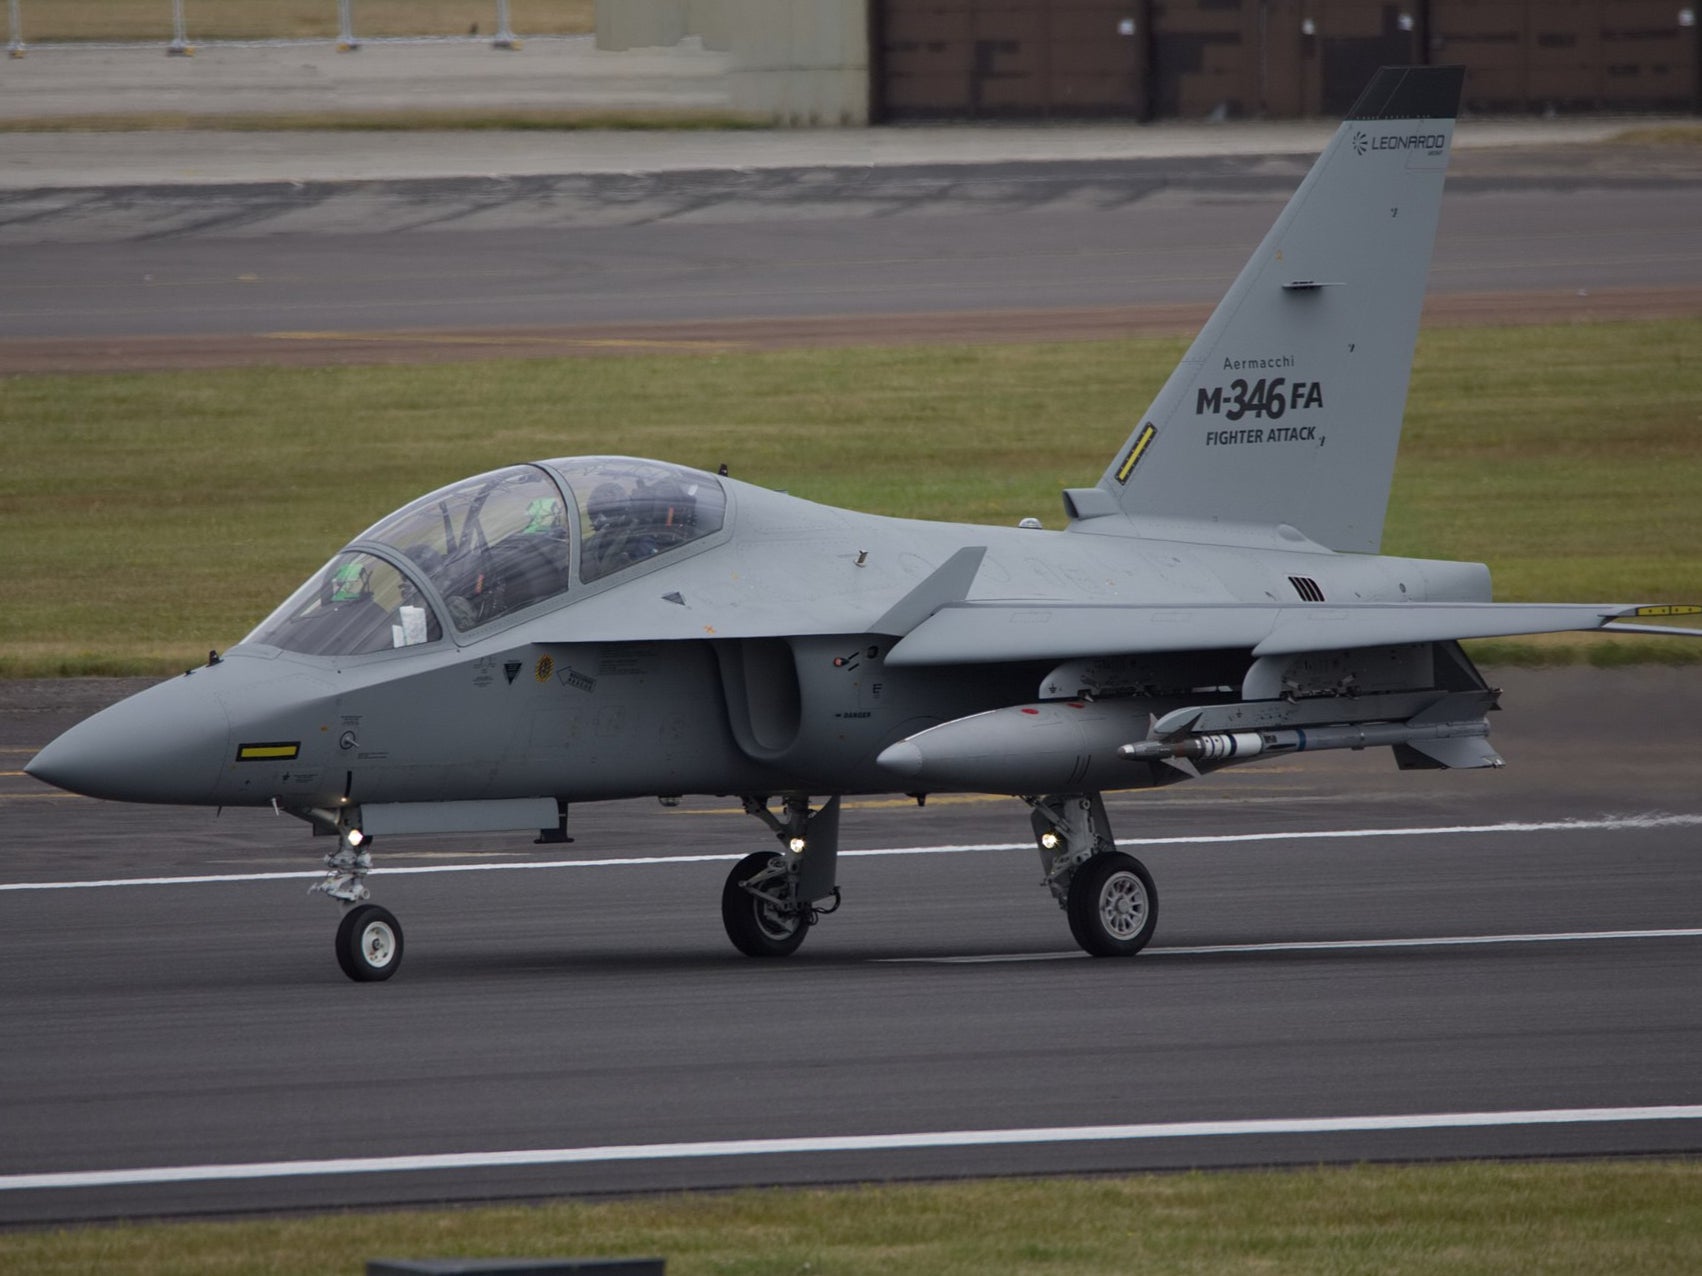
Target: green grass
{"x":151,"y":517}
{"x":1674,"y":134}
{"x":1466,"y":1219}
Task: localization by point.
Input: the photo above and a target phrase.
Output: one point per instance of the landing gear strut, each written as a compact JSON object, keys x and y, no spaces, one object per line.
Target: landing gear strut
{"x":1108,"y":896}
{"x":770,"y":900}
{"x":369,"y":938}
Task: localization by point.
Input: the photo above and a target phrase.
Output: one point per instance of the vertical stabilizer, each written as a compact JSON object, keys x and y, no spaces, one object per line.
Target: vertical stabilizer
{"x":1287,"y":407}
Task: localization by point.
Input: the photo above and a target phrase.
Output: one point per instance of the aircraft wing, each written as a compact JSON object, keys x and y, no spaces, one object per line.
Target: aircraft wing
{"x":987,"y":632}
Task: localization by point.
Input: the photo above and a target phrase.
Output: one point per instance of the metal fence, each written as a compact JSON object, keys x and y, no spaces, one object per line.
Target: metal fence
{"x":179,"y":26}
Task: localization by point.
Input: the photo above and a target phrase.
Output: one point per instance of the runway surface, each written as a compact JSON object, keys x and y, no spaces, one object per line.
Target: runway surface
{"x":1338,"y":941}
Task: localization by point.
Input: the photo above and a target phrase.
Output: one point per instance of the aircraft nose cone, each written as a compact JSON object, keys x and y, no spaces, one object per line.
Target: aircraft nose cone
{"x":165,"y":745}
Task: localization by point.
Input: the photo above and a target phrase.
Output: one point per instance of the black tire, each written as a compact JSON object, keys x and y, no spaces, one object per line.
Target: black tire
{"x":1113,"y":906}
{"x":756,"y":927}
{"x":369,"y":943}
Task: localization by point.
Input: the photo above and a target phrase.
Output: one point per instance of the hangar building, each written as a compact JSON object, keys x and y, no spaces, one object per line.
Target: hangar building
{"x":875,"y":61}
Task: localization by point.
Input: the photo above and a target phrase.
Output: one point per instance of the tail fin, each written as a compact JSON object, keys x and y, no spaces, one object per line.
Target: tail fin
{"x":1287,"y":408}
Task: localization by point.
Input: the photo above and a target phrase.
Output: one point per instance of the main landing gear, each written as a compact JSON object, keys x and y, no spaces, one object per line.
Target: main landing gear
{"x":770,"y":899}
{"x":369,"y":938}
{"x":1108,"y":896}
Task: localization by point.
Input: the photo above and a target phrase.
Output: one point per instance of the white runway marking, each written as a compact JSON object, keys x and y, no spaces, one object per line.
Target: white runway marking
{"x":1314,"y":946}
{"x":144,"y":1176}
{"x":1605,"y":824}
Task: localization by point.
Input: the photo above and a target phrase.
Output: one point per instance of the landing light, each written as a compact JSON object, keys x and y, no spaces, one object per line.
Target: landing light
{"x":1050,"y":839}
{"x":354,"y":837}
{"x":796,"y":845}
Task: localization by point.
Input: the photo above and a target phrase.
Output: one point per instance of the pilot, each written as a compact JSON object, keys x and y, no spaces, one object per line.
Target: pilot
{"x":544,"y":518}
{"x":616,"y":537}
{"x":668,"y":510}
{"x":348,"y":618}
{"x":351,"y":584}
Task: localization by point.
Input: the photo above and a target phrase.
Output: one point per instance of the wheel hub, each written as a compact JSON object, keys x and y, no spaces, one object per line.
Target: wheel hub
{"x":378,"y":943}
{"x":1122,"y":905}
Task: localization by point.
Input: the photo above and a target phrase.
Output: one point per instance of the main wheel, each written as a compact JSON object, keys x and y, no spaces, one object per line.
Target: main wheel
{"x":1112,"y":905}
{"x":369,"y":943}
{"x":759,"y":927}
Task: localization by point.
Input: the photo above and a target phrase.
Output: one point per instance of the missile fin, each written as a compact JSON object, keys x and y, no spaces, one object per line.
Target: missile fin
{"x":1457,"y":753}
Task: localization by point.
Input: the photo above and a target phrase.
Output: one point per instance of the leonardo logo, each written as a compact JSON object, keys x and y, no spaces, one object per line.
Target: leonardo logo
{"x":1434,"y":143}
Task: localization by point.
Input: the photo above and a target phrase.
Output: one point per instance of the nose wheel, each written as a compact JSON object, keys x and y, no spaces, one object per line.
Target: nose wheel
{"x":369,"y":943}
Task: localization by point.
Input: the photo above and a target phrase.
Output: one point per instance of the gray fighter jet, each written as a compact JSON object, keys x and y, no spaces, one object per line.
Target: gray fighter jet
{"x":605,"y":627}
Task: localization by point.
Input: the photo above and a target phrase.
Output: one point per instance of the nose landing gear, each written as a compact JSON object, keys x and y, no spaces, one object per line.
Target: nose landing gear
{"x":369,"y":938}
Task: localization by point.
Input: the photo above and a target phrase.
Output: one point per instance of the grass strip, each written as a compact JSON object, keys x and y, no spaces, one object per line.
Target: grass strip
{"x":151,"y":517}
{"x":1668,"y":134}
{"x":1461,"y":1219}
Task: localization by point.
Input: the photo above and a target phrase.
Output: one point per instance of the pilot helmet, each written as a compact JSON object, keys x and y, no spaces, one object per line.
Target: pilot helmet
{"x":542,"y":515}
{"x":350,"y":583}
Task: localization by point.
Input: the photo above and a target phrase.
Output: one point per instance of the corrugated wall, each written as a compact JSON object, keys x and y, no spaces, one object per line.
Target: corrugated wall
{"x":1525,"y":55}
{"x":1010,"y":58}
{"x":1017,"y":59}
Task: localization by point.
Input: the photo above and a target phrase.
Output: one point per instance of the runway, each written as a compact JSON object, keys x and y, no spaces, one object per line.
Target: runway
{"x":1351,"y":963}
{"x":171,"y":275}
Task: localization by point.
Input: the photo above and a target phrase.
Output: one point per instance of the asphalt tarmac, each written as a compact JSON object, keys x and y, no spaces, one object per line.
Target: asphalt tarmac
{"x":1338,"y":941}
{"x":347,"y":263}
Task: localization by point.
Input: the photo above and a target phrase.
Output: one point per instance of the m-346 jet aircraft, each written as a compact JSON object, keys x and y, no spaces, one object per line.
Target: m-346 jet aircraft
{"x":605,"y":627}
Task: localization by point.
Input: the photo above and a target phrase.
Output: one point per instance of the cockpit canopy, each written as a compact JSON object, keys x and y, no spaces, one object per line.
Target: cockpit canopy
{"x":493,"y":545}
